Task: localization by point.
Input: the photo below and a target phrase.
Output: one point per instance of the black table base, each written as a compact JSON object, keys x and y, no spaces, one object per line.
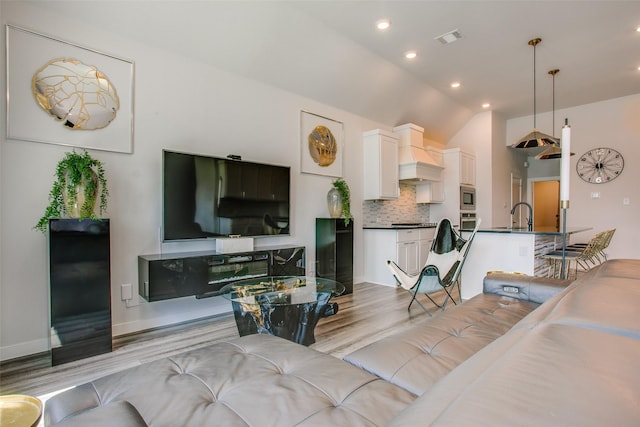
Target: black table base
{"x":294,"y":322}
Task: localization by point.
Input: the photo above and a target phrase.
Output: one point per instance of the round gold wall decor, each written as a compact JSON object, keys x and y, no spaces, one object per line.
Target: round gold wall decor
{"x":322,"y":146}
{"x":79,"y":95}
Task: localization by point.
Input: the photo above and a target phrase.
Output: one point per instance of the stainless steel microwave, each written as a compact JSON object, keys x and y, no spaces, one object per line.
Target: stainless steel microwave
{"x":467,"y":198}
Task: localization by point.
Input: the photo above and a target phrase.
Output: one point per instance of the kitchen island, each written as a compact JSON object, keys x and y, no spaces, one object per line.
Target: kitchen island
{"x":512,"y":250}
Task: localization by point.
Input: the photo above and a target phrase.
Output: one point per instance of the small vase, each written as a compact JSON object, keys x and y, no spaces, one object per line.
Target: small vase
{"x":334,"y":203}
{"x":75,"y":207}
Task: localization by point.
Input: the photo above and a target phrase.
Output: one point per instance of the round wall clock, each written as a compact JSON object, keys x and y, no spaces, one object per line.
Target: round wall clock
{"x":600,"y":165}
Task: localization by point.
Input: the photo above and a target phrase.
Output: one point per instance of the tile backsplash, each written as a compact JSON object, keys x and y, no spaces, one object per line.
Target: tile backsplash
{"x":404,"y":209}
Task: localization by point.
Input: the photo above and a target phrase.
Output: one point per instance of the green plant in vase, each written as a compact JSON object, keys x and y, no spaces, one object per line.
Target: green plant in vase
{"x":79,"y":182}
{"x":345,"y":195}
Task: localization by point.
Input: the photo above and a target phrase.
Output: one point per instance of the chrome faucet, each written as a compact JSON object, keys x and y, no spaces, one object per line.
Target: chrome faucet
{"x":530,"y":219}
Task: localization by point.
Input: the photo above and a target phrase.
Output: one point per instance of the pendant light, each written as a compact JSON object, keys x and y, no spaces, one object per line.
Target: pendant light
{"x":535,"y":139}
{"x":554,"y":151}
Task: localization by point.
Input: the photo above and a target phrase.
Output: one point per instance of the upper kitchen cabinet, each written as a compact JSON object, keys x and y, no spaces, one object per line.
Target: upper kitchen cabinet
{"x":380,"y":165}
{"x":460,"y":167}
{"x":467,"y":169}
{"x":430,"y":192}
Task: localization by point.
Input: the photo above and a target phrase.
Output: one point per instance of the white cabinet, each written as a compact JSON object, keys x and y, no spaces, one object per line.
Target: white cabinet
{"x":467,"y":169}
{"x":426,"y":236}
{"x":408,"y":248}
{"x":380,"y":165}
{"x":430,"y":192}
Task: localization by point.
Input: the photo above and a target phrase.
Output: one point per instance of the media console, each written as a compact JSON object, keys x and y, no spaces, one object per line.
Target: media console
{"x":203,"y":274}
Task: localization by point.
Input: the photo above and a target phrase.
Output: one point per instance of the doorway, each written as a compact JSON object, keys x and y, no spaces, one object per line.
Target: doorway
{"x":516,"y":197}
{"x":546,"y":204}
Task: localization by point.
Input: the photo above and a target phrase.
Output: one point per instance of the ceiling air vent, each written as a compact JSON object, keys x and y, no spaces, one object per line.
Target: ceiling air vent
{"x":449,"y":37}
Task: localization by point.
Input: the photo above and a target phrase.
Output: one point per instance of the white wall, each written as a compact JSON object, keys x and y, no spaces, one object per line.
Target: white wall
{"x":613,"y":123}
{"x":179,"y":104}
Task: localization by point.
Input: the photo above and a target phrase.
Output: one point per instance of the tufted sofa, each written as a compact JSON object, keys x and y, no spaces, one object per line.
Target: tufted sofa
{"x":527,"y":351}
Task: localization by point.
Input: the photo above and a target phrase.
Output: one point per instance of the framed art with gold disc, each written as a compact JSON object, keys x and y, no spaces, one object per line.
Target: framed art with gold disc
{"x":62,"y":93}
{"x":321,"y":145}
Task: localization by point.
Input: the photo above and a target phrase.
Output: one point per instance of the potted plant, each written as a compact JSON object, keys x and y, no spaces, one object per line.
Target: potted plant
{"x":340,"y":185}
{"x":79,"y":181}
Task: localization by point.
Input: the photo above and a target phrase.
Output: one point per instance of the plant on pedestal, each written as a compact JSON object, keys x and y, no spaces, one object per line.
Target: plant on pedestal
{"x":340,"y":185}
{"x":79,"y":182}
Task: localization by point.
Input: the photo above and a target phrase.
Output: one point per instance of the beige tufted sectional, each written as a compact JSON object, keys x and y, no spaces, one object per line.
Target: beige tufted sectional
{"x":499,"y":359}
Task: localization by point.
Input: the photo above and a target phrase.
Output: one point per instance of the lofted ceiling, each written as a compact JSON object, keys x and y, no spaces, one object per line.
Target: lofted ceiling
{"x":330,"y":51}
{"x":594,"y":44}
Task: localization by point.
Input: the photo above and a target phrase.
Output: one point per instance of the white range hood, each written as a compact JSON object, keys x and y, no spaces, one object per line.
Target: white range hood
{"x":415,"y":164}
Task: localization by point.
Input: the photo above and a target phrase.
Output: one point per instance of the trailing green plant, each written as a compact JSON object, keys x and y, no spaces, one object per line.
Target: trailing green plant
{"x":343,"y":188}
{"x":71,"y":172}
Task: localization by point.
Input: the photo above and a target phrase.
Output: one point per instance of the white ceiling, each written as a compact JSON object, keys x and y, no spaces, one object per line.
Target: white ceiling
{"x":330,"y":51}
{"x":593,"y":43}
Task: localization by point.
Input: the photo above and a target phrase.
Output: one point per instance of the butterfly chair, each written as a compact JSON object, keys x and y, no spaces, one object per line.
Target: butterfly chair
{"x":442,"y":269}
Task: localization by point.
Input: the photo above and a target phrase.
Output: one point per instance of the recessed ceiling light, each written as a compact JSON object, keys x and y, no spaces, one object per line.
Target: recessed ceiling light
{"x":383,"y":24}
{"x":486,"y":105}
{"x":412,"y":54}
{"x":455,"y":85}
{"x":638,"y":28}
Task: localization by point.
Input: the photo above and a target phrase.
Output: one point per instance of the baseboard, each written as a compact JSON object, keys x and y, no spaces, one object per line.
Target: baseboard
{"x":24,"y":349}
{"x":168,"y":319}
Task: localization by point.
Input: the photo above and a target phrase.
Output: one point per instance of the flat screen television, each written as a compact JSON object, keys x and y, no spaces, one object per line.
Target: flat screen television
{"x":207,"y":197}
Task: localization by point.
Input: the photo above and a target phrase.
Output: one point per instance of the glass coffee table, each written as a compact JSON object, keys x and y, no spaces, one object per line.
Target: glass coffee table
{"x":285,"y":306}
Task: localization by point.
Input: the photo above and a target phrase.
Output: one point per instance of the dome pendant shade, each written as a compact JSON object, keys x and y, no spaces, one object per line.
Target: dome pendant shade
{"x":535,"y":139}
{"x":553,"y":152}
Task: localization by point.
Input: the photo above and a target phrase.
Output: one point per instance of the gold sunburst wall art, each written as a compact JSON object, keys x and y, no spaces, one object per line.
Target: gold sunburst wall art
{"x":78,"y":95}
{"x":321,"y":145}
{"x":62,"y":93}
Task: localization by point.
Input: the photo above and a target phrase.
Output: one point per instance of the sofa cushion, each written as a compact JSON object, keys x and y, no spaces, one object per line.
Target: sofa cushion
{"x":571,"y":362}
{"x":118,"y":413}
{"x":254,"y":380}
{"x":418,"y":357}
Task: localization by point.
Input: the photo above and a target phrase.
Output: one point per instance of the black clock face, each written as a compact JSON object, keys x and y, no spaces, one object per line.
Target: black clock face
{"x":600,"y":165}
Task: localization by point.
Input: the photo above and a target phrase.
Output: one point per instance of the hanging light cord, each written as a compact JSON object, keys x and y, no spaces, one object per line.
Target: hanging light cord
{"x":534,"y":84}
{"x":553,"y":98}
{"x":534,"y":43}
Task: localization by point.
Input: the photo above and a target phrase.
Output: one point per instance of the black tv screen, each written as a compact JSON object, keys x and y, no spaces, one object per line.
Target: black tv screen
{"x":206,"y":196}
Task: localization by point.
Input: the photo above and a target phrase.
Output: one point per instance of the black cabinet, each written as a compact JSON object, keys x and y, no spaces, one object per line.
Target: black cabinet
{"x":334,"y":251}
{"x":203,"y":274}
{"x":80,"y":288}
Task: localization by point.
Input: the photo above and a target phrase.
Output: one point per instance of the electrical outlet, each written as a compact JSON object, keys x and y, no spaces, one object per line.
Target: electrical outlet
{"x":626,"y":201}
{"x":126,"y":292}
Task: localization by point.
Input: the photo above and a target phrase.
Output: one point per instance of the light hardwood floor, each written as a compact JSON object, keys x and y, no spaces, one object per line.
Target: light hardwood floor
{"x":371,"y":312}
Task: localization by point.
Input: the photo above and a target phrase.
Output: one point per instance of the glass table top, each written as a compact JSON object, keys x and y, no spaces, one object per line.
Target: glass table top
{"x":280,"y":290}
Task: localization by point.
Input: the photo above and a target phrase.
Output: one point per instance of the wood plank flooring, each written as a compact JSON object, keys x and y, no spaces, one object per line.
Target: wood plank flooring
{"x":371,"y":312}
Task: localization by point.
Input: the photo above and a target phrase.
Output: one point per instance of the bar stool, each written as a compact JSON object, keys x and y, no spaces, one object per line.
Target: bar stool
{"x":582,"y":257}
{"x":606,"y":239}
